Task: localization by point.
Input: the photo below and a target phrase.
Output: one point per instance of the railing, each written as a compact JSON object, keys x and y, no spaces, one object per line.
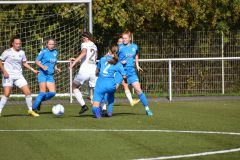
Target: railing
{"x":69,"y":74}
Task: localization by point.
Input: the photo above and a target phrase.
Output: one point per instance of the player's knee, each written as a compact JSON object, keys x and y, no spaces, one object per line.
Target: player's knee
{"x":51,"y":94}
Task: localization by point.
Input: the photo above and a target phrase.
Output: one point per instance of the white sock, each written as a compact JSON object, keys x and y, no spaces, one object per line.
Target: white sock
{"x":29,"y":102}
{"x":104,"y":106}
{"x":146,"y":108}
{"x":79,"y":96}
{"x":3,"y":102}
{"x":91,"y":92}
{"x":129,"y":95}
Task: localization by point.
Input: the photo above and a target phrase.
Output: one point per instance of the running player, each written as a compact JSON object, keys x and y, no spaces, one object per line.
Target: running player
{"x":128,"y":55}
{"x":13,"y":59}
{"x":87,"y":56}
{"x":46,"y":61}
{"x":106,"y":68}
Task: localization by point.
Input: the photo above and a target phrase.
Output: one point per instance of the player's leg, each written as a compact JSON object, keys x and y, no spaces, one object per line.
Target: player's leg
{"x":6,"y":94}
{"x":104,"y":103}
{"x":25,"y":89}
{"x":42,"y":80}
{"x":51,"y":91}
{"x":129,"y":95}
{"x":7,"y":84}
{"x":40,"y":96}
{"x":110,"y":103}
{"x":50,"y":85}
{"x":23,"y":85}
{"x":98,"y":96}
{"x":77,"y":82}
{"x":133,"y":80}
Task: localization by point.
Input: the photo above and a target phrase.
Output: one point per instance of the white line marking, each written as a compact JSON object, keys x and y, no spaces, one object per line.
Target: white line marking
{"x":193,"y":155}
{"x":117,"y":130}
{"x":138,"y":130}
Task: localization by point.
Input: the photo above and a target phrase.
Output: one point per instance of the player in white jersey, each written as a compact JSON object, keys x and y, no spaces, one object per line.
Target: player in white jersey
{"x":87,"y":57}
{"x":13,"y":59}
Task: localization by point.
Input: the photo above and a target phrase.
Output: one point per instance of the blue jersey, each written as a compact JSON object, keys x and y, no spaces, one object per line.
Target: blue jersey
{"x":108,"y":70}
{"x":128,"y":53}
{"x":47,"y":58}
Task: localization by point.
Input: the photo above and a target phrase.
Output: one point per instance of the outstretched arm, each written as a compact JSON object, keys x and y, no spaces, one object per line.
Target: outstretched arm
{"x":25,"y":64}
{"x":79,"y":58}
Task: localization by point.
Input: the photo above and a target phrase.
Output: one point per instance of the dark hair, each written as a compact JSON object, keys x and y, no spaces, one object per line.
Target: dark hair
{"x":88,"y":35}
{"x":12,"y":40}
{"x":50,"y":39}
{"x":114,"y":50}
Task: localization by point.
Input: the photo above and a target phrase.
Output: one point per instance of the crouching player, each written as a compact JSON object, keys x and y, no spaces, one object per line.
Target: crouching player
{"x":106,"y":68}
{"x":13,"y":59}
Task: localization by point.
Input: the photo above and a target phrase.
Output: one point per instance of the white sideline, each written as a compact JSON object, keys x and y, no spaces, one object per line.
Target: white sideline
{"x":138,"y":130}
{"x":193,"y":155}
{"x":117,"y":130}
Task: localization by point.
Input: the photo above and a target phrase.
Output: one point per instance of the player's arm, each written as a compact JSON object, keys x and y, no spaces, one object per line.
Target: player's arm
{"x":25,"y":64}
{"x":79,"y":58}
{"x":57,"y":69}
{"x":137,"y":63}
{"x":98,"y":68}
{"x":38,"y":61}
{"x":5,"y":74}
{"x":122,"y":72}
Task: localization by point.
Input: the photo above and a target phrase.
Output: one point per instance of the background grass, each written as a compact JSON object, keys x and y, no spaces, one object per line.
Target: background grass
{"x":204,"y":116}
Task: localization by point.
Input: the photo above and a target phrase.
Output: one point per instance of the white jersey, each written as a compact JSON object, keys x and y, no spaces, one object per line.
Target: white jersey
{"x":88,"y":65}
{"x":13,"y":62}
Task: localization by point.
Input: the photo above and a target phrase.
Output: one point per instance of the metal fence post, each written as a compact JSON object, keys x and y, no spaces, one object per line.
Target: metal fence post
{"x":170,"y":79}
{"x":223,"y":81}
{"x":71,"y":91}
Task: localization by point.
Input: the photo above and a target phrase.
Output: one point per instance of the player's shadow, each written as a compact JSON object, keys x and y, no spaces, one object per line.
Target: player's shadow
{"x":84,"y":115}
{"x":15,"y":115}
{"x":125,"y":114}
{"x":45,"y":113}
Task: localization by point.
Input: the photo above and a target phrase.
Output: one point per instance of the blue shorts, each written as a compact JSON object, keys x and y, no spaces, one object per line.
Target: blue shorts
{"x":131,"y":75}
{"x":103,"y":86}
{"x":45,"y":78}
{"x":118,"y":78}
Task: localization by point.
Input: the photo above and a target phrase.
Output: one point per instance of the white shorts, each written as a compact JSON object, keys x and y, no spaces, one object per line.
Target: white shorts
{"x":81,"y":78}
{"x":19,"y":82}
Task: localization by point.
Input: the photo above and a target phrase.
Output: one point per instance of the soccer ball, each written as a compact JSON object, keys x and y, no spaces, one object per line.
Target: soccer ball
{"x":58,"y":110}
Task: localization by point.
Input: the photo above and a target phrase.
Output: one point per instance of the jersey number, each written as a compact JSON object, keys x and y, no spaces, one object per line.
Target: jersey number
{"x":105,"y":71}
{"x":92,"y":58}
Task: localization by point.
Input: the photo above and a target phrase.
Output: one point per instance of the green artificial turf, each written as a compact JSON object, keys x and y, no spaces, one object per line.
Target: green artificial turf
{"x":24,"y":138}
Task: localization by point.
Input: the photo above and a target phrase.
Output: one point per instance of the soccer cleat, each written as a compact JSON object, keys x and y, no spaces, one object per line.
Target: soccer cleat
{"x":83,"y":109}
{"x":134,"y":102}
{"x":33,"y":114}
{"x":149,"y":113}
{"x":104,"y":113}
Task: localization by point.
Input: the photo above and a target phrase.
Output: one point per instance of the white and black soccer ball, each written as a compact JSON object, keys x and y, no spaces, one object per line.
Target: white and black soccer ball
{"x":58,"y":110}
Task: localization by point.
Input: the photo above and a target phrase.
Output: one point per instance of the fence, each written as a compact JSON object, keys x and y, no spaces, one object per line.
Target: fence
{"x":201,"y":63}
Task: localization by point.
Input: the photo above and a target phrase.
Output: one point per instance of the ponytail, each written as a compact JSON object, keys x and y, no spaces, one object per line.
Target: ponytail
{"x":113,"y":50}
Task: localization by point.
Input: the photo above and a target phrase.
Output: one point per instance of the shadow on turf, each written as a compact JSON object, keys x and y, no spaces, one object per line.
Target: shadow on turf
{"x":15,"y":115}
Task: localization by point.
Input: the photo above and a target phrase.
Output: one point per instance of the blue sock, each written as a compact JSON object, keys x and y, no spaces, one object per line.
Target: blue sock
{"x":49,"y":95}
{"x":38,"y":100}
{"x":96,"y":112}
{"x":110,"y":103}
{"x":143,"y":99}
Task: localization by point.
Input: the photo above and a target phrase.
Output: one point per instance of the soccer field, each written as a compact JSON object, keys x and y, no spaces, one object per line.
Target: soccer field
{"x":129,"y":134}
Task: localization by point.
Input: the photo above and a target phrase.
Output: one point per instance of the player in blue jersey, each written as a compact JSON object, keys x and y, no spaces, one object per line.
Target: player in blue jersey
{"x":46,"y":60}
{"x":106,"y":69}
{"x":128,"y":56}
